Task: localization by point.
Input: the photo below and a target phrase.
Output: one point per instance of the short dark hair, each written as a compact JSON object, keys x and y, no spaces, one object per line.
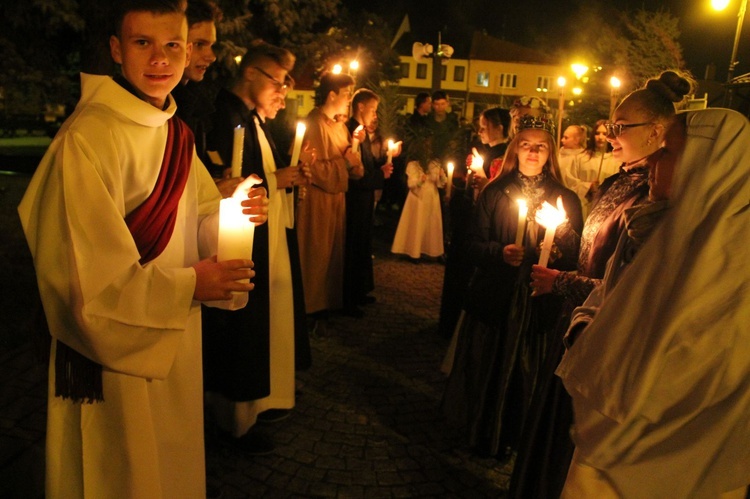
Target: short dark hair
{"x":125,"y":7}
{"x":363,"y":95}
{"x":201,"y":11}
{"x":498,"y":116}
{"x":331,"y":82}
{"x":421,"y":98}
{"x":261,"y":51}
{"x":439,"y":95}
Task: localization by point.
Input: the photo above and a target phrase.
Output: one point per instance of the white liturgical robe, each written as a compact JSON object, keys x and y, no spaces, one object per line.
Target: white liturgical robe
{"x":138,"y":321}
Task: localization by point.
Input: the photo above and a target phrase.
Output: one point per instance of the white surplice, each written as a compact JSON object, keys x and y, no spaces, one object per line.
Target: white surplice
{"x":139,"y":322}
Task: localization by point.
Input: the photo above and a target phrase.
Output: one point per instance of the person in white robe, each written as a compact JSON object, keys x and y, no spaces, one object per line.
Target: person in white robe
{"x":660,"y":377}
{"x":139,"y":322}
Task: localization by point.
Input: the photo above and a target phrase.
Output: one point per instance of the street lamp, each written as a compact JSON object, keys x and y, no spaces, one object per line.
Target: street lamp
{"x":336,"y":69}
{"x":579,"y":70}
{"x":615,"y":83}
{"x":560,"y":104}
{"x":720,"y":5}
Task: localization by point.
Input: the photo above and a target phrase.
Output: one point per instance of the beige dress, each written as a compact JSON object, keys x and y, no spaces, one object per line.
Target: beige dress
{"x":420,"y":228}
{"x":320,"y":216}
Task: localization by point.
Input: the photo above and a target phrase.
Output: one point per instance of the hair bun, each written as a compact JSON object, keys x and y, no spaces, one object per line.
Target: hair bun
{"x":672,"y":85}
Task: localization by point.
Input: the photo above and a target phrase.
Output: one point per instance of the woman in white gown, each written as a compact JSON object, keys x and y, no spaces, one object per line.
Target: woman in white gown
{"x":420,"y":228}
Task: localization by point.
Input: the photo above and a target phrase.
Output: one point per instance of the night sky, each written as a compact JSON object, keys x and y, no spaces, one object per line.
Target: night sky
{"x":707,"y":36}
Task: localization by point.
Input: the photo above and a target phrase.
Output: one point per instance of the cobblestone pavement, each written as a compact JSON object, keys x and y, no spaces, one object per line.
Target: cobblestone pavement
{"x":367,"y":421}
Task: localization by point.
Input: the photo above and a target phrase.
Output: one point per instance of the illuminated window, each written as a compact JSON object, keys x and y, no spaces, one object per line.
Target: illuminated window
{"x":483,"y":79}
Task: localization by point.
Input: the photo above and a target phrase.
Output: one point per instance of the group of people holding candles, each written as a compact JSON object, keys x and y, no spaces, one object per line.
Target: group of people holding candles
{"x":620,"y":367}
{"x":612,"y":356}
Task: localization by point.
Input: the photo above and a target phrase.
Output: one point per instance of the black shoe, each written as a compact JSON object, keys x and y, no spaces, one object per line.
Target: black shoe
{"x":253,"y":443}
{"x":367,"y":300}
{"x":274,"y":415}
{"x":354,"y":312}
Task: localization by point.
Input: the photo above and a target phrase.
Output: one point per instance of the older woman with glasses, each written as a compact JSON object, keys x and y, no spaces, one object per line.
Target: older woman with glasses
{"x":636,"y":134}
{"x":502,"y":339}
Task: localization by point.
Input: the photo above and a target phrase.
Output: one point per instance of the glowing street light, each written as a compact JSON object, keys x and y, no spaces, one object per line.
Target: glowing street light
{"x":560,"y":104}
{"x":577,"y":91}
{"x":579,"y":70}
{"x":720,"y":5}
{"x":615,"y":83}
{"x":354,"y":66}
{"x":336,"y":69}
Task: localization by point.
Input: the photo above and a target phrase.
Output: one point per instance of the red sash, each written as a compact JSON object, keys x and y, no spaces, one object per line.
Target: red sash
{"x":152,"y":223}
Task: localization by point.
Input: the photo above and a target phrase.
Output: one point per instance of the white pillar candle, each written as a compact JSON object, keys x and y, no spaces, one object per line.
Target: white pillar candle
{"x":449,"y":184}
{"x":236,"y":234}
{"x":550,"y":218}
{"x":355,"y":140}
{"x":237,"y":147}
{"x":301,"y":129}
{"x":523,"y":211}
{"x":391,"y":148}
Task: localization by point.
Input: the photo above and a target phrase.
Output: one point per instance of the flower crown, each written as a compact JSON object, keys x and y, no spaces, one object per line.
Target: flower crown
{"x":532,"y":102}
{"x":530,"y":122}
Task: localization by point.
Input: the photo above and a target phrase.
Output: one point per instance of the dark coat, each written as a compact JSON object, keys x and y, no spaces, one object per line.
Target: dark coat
{"x":236,"y":344}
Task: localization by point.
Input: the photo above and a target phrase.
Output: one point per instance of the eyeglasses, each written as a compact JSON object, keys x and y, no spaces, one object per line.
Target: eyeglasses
{"x":280,"y":87}
{"x":615,"y":129}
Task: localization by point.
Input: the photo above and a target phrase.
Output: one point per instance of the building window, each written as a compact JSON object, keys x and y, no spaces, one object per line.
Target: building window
{"x":543,"y":83}
{"x":483,"y":79}
{"x":508,"y":80}
{"x":443,"y":72}
{"x":422,"y":71}
{"x":405,"y":66}
{"x":301,"y":101}
{"x":458,"y":73}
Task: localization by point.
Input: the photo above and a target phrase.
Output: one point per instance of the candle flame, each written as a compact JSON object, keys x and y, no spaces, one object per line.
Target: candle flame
{"x":450,"y":167}
{"x":548,"y":216}
{"x":522,"y":204}
{"x":301,"y":128}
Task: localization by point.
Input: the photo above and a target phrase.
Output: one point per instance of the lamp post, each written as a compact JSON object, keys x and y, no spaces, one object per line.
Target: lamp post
{"x":721,"y":5}
{"x":615,"y":83}
{"x":560,"y":105}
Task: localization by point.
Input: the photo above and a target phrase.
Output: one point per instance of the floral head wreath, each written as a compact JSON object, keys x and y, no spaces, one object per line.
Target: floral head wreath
{"x":529,"y":122}
{"x":531,"y":102}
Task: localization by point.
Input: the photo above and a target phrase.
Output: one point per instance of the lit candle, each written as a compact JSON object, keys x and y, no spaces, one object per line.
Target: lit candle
{"x":449,"y":185}
{"x":549,"y":217}
{"x":236,"y":234}
{"x":391,"y":148}
{"x":238,"y":147}
{"x":355,"y":140}
{"x":301,"y":129}
{"x":523,"y":211}
{"x":477,"y":162}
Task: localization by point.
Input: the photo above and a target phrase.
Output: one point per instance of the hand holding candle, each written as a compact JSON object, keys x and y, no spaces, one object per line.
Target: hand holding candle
{"x":300,"y":134}
{"x":238,"y":146}
{"x":355,"y":139}
{"x":477,"y":163}
{"x":550,"y":218}
{"x":523,"y":211}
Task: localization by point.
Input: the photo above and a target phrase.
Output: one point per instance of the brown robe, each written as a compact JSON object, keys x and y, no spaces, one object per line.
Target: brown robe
{"x":321,"y":214}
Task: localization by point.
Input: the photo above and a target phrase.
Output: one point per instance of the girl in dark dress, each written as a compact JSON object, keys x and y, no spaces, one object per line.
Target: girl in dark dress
{"x":503,"y":338}
{"x":546,"y":448}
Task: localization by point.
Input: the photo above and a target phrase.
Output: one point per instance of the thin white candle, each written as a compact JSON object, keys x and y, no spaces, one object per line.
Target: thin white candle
{"x":523,"y":211}
{"x":449,"y":184}
{"x":301,"y":129}
{"x":355,"y":140}
{"x":549,"y":217}
{"x":237,"y":147}
{"x":391,"y":148}
{"x":236,"y":234}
